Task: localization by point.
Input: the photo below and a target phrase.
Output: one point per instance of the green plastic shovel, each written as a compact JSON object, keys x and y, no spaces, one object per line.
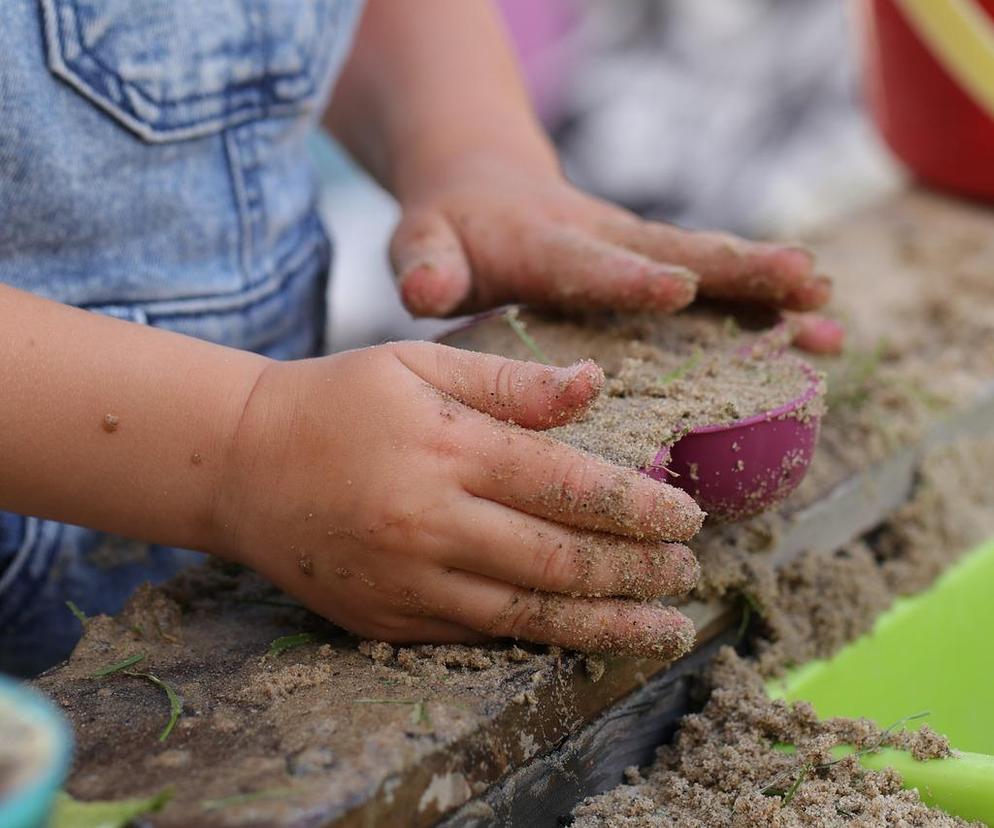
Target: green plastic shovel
{"x":931,"y":652}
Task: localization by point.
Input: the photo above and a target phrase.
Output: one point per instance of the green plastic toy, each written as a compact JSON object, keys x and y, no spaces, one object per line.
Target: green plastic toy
{"x":930,"y":653}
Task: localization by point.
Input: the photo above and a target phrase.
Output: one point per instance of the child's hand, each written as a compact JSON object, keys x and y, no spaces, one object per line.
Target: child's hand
{"x":482,"y":232}
{"x":374,"y":486}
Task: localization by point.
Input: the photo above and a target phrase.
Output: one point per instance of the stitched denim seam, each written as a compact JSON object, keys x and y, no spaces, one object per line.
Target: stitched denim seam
{"x":164,"y":128}
{"x":265,"y":80}
{"x":20,"y":556}
{"x":287,"y":276}
{"x":239,"y":299}
{"x":245,"y":139}
{"x":236,"y":172}
{"x":32,"y":533}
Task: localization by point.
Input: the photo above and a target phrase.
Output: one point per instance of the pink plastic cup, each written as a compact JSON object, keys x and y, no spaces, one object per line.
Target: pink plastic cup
{"x":739,"y":469}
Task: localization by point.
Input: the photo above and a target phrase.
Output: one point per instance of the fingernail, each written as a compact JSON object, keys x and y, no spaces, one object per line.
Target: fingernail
{"x":413,"y":268}
{"x":688,"y":571}
{"x":675,"y":287}
{"x":810,"y":294}
{"x":819,"y":335}
{"x":826,"y":285}
{"x":677,"y":516}
{"x":674,"y":570}
{"x":684,"y":273}
{"x":820,"y":289}
{"x":582,"y":367}
{"x":802,"y":253}
{"x":667,"y":635}
{"x":584,"y":378}
{"x":425,"y":291}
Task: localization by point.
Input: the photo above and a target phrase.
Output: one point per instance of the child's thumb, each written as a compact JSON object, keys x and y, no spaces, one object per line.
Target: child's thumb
{"x":432,"y":272}
{"x":531,"y":395}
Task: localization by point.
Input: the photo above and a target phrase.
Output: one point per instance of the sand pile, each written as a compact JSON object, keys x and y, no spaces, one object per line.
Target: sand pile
{"x":816,"y":603}
{"x":723,"y":769}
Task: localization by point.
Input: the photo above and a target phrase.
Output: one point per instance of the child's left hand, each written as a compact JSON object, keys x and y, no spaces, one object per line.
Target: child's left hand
{"x":484,"y":232}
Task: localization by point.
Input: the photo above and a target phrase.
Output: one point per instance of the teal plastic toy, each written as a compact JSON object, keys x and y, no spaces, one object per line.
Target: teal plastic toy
{"x":28,"y":804}
{"x":929,"y":653}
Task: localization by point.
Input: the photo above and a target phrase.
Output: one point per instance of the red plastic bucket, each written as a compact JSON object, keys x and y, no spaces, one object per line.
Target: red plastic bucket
{"x":929,"y":78}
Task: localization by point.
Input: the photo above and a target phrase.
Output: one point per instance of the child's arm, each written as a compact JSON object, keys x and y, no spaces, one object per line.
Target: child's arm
{"x":114,"y":425}
{"x":371,"y":484}
{"x":431,"y":102}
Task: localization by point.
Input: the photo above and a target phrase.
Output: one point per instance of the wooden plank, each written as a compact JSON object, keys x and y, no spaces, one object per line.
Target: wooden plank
{"x":592,"y":761}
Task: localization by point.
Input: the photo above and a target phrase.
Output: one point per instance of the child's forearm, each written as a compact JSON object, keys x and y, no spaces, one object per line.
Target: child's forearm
{"x":114,"y":425}
{"x":291,"y":468}
{"x":428,"y":82}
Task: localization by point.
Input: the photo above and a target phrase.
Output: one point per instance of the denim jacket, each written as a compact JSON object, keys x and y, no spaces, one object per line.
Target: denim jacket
{"x":153,"y":166}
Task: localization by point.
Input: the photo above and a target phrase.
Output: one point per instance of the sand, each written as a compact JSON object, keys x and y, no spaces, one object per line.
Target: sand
{"x":816,"y":603}
{"x":723,"y":769}
{"x":664,"y":376}
{"x":723,"y":758}
{"x":308,"y":732}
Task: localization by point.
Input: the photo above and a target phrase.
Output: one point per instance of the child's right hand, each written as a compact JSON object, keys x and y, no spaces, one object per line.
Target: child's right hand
{"x":403,"y":492}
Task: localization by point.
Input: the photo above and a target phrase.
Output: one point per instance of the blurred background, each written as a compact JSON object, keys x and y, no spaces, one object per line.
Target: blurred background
{"x":742,"y":115}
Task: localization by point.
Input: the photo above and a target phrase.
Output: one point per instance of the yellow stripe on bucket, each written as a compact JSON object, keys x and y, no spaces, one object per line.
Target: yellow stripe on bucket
{"x":961,"y":35}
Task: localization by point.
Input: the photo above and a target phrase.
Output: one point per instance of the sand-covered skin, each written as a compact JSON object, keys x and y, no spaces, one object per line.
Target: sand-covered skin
{"x":724,"y":771}
{"x":664,"y":375}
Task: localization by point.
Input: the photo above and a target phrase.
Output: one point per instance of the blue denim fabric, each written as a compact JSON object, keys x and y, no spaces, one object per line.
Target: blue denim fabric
{"x":153,"y":166}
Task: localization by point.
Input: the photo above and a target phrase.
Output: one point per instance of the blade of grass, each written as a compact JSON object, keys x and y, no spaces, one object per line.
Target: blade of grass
{"x":771,"y":788}
{"x":880,"y":742}
{"x":175,"y":703}
{"x":71,"y":813}
{"x":241,"y":799}
{"x":513,"y":319}
{"x":683,"y":368}
{"x":744,"y":623}
{"x":288,"y":642}
{"x":124,"y":664}
{"x":75,"y":610}
{"x":792,"y":790}
{"x":419,"y":715}
{"x":172,"y":639}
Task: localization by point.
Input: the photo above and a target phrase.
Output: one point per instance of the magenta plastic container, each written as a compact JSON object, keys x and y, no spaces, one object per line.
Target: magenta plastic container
{"x":739,"y":469}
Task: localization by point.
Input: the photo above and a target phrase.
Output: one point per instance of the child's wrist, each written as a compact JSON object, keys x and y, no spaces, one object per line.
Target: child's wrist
{"x":235,"y":438}
{"x":422,"y":168}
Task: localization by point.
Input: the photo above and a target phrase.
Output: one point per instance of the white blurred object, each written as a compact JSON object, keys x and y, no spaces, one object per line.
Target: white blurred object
{"x":737,"y":115}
